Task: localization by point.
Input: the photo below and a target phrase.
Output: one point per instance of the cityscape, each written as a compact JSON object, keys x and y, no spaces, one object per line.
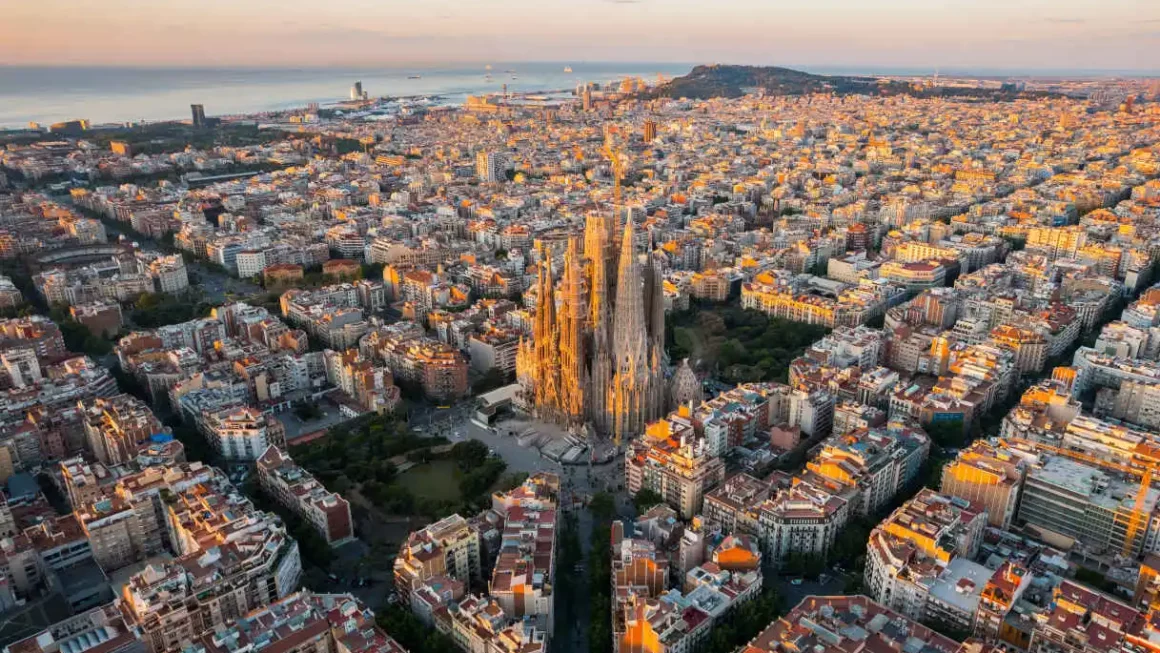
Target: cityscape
{"x":578,"y":358}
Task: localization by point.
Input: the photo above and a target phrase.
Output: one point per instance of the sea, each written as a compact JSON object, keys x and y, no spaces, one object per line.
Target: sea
{"x":116,"y":95}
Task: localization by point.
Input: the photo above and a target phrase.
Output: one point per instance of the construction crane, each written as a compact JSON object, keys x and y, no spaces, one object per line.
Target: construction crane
{"x":1136,"y":520}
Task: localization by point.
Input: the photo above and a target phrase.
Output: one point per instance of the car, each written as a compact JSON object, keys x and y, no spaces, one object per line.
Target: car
{"x":796,"y":581}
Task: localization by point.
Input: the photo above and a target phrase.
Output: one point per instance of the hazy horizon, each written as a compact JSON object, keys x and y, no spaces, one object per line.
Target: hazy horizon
{"x":830,"y":69}
{"x":1020,"y":35}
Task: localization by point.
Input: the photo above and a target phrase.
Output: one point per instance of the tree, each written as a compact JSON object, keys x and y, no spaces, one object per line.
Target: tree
{"x":602,"y":506}
{"x":646,"y":499}
{"x":947,"y":434}
{"x":807,"y":565}
{"x":412,"y":634}
{"x":307,"y":411}
{"x":470,"y":454}
{"x":153,"y":310}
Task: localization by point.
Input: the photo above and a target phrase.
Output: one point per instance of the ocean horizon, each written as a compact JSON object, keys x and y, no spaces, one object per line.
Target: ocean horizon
{"x":47,"y":94}
{"x":117,"y":94}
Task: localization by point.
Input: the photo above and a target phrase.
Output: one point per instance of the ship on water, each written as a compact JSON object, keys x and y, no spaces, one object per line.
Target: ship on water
{"x":414,"y":77}
{"x":567,"y":69}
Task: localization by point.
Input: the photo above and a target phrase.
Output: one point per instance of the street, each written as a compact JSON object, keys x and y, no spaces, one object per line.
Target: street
{"x":455,"y":424}
{"x":578,"y":483}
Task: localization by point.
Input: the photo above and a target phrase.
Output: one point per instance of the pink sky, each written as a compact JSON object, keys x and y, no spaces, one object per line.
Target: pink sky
{"x":1057,"y":34}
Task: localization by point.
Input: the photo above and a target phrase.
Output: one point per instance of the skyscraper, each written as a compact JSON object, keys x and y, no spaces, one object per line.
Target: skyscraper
{"x":491,"y":167}
{"x":198,"y":112}
{"x":603,"y":366}
{"x":650,"y":131}
{"x":356,"y":91}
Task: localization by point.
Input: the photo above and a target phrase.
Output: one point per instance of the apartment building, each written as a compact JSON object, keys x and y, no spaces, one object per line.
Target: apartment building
{"x":437,"y":368}
{"x":100,"y":630}
{"x":919,"y":559}
{"x":839,"y":624}
{"x":805,"y":518}
{"x":303,"y":622}
{"x":480,"y":625}
{"x":773,"y":297}
{"x":523,"y":580}
{"x":990,"y":475}
{"x":1029,"y":346}
{"x":680,"y":470}
{"x":449,"y":547}
{"x":915,"y":276}
{"x":295,"y":488}
{"x":1082,"y":620}
{"x":242,"y":433}
{"x":1091,"y":504}
{"x":369,"y":384}
{"x":103,"y":318}
{"x":877,"y":462}
{"x":117,"y":427}
{"x":732,"y":505}
{"x":494,"y":349}
{"x":253,"y":563}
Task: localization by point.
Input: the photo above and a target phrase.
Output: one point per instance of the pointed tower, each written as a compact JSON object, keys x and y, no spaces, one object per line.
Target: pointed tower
{"x":656,"y":336}
{"x":686,"y":388}
{"x":570,"y":327}
{"x":630,"y":346}
{"x":545,"y":342}
{"x":600,"y":370}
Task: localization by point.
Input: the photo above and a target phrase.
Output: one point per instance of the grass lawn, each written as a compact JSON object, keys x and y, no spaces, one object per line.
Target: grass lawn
{"x":438,"y":479}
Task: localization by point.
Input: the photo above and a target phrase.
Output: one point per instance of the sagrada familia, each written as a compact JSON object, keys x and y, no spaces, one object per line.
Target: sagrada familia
{"x":592,"y":361}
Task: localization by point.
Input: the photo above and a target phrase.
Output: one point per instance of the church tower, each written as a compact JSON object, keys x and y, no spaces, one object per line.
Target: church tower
{"x":570,"y":327}
{"x":545,"y":336}
{"x":600,"y":373}
{"x":632,"y":393}
{"x":656,"y":335}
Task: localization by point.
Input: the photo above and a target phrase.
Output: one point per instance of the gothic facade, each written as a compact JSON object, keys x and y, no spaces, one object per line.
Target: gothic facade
{"x":592,"y":361}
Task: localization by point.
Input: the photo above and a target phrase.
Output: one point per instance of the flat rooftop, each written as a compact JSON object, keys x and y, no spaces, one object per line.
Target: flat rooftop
{"x":1100,"y":488}
{"x":961,"y":584}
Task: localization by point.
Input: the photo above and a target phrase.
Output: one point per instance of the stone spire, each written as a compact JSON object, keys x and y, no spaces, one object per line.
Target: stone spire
{"x":656,"y":335}
{"x":600,"y":372}
{"x":630,"y":346}
{"x":686,"y":388}
{"x":656,"y":310}
{"x":545,"y":340}
{"x":570,"y":327}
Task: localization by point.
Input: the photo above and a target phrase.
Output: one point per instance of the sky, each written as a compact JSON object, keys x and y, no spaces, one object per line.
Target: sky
{"x":935,"y":34}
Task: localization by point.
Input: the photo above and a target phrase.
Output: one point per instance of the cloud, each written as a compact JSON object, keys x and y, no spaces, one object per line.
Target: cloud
{"x":623,"y":2}
{"x":1065,"y":21}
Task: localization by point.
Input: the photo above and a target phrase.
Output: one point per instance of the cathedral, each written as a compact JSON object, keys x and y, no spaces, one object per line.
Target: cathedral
{"x":591,"y":361}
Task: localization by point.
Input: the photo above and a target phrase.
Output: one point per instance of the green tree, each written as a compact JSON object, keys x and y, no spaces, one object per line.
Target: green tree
{"x":646,"y":499}
{"x":470,"y":454}
{"x":602,"y":506}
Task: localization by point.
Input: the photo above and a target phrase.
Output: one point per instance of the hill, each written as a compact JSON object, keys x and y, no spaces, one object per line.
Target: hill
{"x":734,"y":81}
{"x":731,"y":81}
